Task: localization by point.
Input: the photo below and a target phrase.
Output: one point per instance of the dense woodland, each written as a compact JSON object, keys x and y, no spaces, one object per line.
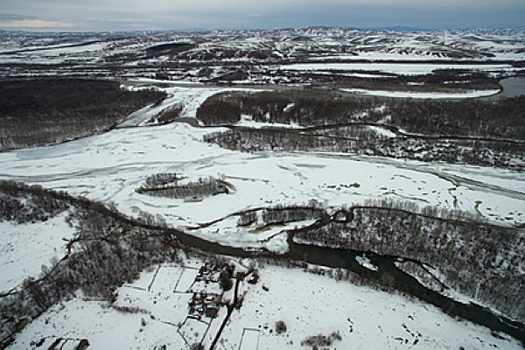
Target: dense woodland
{"x":466,"y":132}
{"x":167,"y":185}
{"x":19,"y":205}
{"x":50,"y":110}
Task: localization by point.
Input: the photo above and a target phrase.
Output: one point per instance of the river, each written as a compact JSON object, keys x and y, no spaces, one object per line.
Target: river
{"x":339,"y":258}
{"x":387,"y":271}
{"x":512,"y":87}
{"x":111,"y":166}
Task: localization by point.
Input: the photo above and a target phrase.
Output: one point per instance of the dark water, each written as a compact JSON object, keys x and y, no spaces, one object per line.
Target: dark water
{"x":403,"y":282}
{"x":512,"y":87}
{"x":387,"y":271}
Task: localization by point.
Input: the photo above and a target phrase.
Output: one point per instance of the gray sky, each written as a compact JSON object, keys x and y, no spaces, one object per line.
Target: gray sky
{"x":116,"y":15}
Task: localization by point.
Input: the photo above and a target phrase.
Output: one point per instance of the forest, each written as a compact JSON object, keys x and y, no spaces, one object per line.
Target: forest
{"x":473,"y":257}
{"x":307,"y":108}
{"x":43,"y":111}
{"x":470,"y":132}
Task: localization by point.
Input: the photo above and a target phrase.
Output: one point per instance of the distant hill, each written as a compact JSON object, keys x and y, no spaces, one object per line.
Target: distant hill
{"x":400,"y":29}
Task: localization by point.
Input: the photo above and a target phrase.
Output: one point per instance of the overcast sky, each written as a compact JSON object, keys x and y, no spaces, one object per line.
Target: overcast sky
{"x":117,"y":15}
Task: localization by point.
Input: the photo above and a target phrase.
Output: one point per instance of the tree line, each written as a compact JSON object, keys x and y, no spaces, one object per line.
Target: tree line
{"x":468,"y":118}
{"x":281,"y":214}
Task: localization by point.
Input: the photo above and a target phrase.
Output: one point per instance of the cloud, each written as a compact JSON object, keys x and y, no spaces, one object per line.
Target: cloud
{"x":103,"y":15}
{"x":10,"y":16}
{"x":31,"y":24}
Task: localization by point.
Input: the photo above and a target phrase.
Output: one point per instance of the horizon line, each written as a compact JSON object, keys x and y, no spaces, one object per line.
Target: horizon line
{"x":394,"y":28}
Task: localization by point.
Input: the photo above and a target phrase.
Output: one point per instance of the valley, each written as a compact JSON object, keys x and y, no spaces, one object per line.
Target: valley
{"x":377,"y":175}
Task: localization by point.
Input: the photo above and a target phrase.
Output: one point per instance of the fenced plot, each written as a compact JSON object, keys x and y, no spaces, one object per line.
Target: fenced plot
{"x":186,"y":280}
{"x":250,"y":339}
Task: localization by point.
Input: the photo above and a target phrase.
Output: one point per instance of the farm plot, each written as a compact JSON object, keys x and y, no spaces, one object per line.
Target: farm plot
{"x":147,"y":313}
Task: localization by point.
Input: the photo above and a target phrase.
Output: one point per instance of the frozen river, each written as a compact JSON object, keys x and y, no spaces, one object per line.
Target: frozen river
{"x":111,"y":166}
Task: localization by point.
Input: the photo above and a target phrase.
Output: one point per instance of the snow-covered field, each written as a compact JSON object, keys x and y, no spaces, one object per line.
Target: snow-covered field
{"x":328,"y":43}
{"x":111,"y":166}
{"x":307,"y":303}
{"x":393,"y":68}
{"x":24,"y":248}
{"x":424,"y":95}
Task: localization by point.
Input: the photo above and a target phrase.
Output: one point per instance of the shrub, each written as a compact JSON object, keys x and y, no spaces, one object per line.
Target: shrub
{"x":197,"y":346}
{"x":321,"y":340}
{"x":225,"y":280}
{"x":280,"y":327}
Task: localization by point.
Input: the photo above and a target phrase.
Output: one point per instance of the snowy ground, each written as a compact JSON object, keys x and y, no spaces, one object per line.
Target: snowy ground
{"x":311,"y":304}
{"x":324,"y":43}
{"x":110,"y":167}
{"x":393,"y":68}
{"x":424,"y":95}
{"x":25,"y":248}
{"x":308,"y":304}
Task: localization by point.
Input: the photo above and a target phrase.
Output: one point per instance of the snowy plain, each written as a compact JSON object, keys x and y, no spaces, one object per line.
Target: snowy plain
{"x":394,"y":68}
{"x":111,"y":166}
{"x":24,"y":248}
{"x":424,"y":95}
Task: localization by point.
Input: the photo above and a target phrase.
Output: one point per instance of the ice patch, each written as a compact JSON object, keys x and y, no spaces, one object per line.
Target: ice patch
{"x":366,"y":263}
{"x":424,"y":95}
{"x":393,"y":68}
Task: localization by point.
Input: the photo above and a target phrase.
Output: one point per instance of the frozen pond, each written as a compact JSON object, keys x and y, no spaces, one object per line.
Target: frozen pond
{"x":513,"y":87}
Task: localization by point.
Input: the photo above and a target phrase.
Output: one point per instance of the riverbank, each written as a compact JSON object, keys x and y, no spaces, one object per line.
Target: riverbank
{"x":387,"y":274}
